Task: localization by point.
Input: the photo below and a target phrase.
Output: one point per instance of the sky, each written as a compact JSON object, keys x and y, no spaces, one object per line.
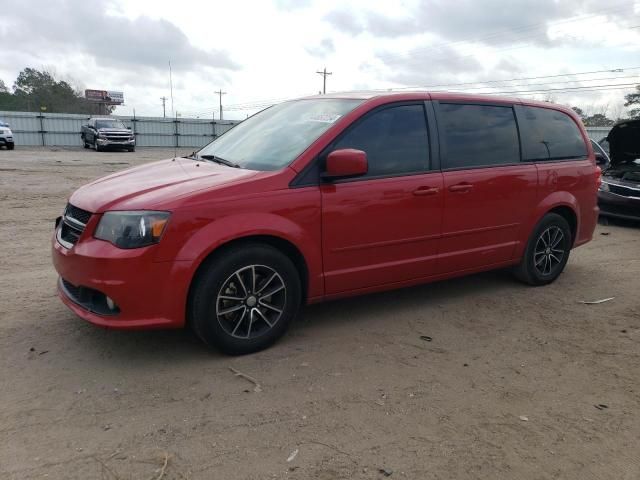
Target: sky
{"x":576,"y":52}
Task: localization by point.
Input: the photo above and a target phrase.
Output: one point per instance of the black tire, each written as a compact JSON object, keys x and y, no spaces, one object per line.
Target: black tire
{"x":97,"y":147}
{"x":218,"y":277}
{"x":11,"y":146}
{"x":547,"y":251}
{"x":132,"y":149}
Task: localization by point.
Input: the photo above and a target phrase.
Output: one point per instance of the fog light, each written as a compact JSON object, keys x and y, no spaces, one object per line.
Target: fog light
{"x":110,"y":303}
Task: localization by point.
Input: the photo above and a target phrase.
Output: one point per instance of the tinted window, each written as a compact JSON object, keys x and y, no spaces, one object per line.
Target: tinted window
{"x":109,"y":124}
{"x":550,"y":135}
{"x":395,"y":140}
{"x":478,"y":135}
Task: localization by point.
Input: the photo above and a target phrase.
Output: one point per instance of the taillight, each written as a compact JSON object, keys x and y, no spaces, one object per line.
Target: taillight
{"x":598,"y":177}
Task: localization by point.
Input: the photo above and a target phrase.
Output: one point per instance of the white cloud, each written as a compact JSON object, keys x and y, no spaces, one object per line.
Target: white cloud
{"x":271,"y":49}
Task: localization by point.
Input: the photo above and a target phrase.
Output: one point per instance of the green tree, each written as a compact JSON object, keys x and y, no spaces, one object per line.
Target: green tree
{"x":597,"y":120}
{"x":3,"y":87}
{"x":633,"y":99}
{"x":579,"y":112}
{"x":35,"y":89}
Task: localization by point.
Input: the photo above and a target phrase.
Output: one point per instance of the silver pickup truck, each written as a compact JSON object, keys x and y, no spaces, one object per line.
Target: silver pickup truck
{"x":103,"y":133}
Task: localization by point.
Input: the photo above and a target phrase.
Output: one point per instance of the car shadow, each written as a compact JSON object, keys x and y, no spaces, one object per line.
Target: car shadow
{"x":394,"y":303}
{"x":144,"y":349}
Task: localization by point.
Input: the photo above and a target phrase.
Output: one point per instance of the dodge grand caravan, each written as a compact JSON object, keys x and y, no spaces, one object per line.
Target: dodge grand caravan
{"x":327,"y":197}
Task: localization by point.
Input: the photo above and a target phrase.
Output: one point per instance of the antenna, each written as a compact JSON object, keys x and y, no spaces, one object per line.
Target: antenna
{"x":174,"y":114}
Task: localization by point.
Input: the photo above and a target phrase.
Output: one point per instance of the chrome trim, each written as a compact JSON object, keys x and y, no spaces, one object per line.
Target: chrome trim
{"x":62,"y":242}
{"x":618,"y":195}
{"x":621,"y":185}
{"x":73,"y":220}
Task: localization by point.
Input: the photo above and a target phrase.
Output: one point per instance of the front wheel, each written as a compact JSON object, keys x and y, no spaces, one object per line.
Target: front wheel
{"x":11,"y":146}
{"x":547,"y":251}
{"x":245,"y":299}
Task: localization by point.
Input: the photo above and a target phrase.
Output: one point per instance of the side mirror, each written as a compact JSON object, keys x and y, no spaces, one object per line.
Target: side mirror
{"x":601,"y":159}
{"x":347,"y":162}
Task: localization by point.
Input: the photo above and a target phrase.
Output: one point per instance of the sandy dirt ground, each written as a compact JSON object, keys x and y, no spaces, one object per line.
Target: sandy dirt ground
{"x":515,"y":383}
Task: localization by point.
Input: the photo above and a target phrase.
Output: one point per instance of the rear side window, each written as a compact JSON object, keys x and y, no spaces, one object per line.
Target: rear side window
{"x":478,"y":135}
{"x":395,"y":140}
{"x":550,"y":135}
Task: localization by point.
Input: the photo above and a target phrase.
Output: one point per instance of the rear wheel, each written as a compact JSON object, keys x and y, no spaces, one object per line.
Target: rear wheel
{"x":244,"y":300}
{"x":547,"y":251}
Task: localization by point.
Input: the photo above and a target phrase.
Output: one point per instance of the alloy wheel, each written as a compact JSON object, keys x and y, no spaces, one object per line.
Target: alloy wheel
{"x":549,"y":251}
{"x":251,"y":301}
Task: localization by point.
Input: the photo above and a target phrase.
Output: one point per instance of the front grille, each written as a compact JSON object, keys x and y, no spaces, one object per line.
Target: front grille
{"x":77,"y":214}
{"x":115,"y":137}
{"x":624,"y":191}
{"x":73,"y":224}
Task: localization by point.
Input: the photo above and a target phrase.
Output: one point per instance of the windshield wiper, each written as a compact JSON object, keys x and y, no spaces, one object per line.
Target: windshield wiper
{"x":193,"y":155}
{"x":220,"y":160}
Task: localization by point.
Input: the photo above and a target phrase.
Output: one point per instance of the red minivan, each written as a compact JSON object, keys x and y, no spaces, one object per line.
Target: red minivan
{"x":327,"y":197}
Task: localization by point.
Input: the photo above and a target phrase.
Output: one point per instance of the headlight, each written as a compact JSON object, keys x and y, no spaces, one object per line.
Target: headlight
{"x":132,"y":229}
{"x":604,"y":187}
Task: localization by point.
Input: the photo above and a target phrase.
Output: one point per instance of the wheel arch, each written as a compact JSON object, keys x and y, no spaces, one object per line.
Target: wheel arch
{"x":561,"y":203}
{"x":283,"y":245}
{"x":570,"y":216}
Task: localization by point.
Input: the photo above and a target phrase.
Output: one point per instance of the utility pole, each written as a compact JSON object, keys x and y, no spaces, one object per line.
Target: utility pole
{"x":164,"y":110}
{"x":324,"y":74}
{"x":220,"y":93}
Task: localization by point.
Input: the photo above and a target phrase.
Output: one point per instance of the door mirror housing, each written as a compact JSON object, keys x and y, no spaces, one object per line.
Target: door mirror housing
{"x":344,"y":163}
{"x":601,"y":160}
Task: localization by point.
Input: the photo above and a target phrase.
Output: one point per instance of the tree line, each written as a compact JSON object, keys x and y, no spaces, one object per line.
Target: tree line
{"x":35,"y":91}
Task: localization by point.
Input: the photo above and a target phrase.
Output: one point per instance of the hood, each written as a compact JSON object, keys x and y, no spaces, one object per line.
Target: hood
{"x":152,"y":184}
{"x":624,"y":142}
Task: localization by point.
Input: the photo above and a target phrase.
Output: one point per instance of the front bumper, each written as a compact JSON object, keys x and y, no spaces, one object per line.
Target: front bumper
{"x":147,"y":294}
{"x":106,"y":142}
{"x":6,"y":140}
{"x":619,"y":206}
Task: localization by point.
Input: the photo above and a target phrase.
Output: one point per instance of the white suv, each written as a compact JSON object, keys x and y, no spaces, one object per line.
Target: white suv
{"x":6,"y":136}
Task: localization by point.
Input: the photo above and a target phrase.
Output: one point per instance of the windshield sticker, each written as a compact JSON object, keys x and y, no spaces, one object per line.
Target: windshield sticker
{"x":322,"y":117}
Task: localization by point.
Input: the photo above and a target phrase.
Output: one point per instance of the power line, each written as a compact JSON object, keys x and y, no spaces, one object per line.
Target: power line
{"x":540,"y":77}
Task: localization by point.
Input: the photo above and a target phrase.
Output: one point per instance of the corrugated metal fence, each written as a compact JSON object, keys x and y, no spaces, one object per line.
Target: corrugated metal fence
{"x":61,"y":129}
{"x":598,"y":133}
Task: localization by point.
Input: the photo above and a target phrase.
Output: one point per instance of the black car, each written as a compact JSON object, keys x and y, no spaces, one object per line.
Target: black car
{"x":619,"y":194}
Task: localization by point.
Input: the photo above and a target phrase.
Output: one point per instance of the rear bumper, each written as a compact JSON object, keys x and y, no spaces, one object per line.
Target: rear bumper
{"x":619,"y":206}
{"x":147,"y":294}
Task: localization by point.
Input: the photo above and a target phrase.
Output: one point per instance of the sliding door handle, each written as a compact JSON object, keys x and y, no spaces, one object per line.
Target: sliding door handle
{"x":461,"y":188}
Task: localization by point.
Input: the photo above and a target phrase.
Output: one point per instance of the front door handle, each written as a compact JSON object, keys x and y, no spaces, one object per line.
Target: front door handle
{"x":461,"y":188}
{"x":426,"y":191}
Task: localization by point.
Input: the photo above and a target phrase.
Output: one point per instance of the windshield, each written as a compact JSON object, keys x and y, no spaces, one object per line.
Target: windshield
{"x":273,"y":138}
{"x":109,"y":124}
